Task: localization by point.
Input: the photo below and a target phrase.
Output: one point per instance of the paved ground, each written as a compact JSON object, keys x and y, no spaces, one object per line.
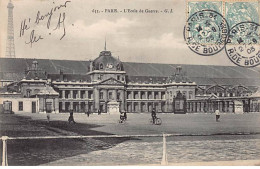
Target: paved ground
{"x":171,"y":123}
{"x":235,"y":138}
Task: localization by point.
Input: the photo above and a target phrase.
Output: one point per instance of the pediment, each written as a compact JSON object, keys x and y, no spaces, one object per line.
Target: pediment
{"x":213,"y":96}
{"x":111,"y":81}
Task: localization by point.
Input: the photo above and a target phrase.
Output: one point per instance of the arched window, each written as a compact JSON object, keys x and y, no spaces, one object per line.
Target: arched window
{"x":101,"y":66}
{"x":118,"y":67}
{"x":28,"y":93}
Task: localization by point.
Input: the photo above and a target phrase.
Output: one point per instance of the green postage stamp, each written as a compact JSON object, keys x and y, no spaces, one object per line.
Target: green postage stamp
{"x":231,"y":24}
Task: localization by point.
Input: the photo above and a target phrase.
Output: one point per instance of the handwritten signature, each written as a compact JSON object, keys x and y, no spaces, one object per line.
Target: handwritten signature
{"x":26,"y":23}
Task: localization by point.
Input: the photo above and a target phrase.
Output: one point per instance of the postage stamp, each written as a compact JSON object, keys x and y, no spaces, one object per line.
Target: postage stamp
{"x":195,"y":6}
{"x":241,"y":11}
{"x":243,"y":44}
{"x":205,"y":32}
{"x":207,"y":35}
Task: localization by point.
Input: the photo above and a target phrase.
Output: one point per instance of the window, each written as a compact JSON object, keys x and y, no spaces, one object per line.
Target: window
{"x":118,"y":77}
{"x":28,"y":93}
{"x":190,"y":95}
{"x":118,"y":96}
{"x":20,"y":106}
{"x":110,"y":95}
{"x":101,"y":66}
{"x":90,"y":94}
{"x":101,"y":95}
{"x":123,"y":79}
{"x":184,"y":93}
{"x":36,"y":91}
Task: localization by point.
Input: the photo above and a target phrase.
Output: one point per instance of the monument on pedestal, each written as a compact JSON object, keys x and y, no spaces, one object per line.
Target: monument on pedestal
{"x":113,"y":107}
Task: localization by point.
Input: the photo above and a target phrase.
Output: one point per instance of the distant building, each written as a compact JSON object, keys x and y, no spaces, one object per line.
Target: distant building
{"x":109,"y":85}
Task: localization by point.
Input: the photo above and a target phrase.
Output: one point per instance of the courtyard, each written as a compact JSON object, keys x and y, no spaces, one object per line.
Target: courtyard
{"x":196,"y":138}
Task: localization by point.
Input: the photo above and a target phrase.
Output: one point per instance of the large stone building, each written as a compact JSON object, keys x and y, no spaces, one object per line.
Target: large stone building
{"x":109,"y":85}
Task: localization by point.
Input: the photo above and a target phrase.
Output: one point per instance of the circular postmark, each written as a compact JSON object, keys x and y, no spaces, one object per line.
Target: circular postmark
{"x":205,"y":32}
{"x":243,"y":44}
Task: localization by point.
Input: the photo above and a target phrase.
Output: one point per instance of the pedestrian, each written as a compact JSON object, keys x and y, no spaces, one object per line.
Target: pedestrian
{"x":217,"y":115}
{"x":122,"y":117}
{"x":88,"y":112}
{"x":48,"y":118}
{"x":125,"y":115}
{"x":71,"y":118}
{"x":99,"y":112}
{"x":153,"y":115}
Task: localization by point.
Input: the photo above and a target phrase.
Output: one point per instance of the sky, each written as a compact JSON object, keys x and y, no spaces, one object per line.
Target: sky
{"x":133,"y":37}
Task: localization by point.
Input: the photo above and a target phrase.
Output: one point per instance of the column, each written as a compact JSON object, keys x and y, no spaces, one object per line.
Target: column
{"x":122,"y":95}
{"x":56,"y":109}
{"x":160,"y":95}
{"x":146,"y":106}
{"x":71,"y":94}
{"x":86,"y":106}
{"x":139,"y":106}
{"x":44,"y":104}
{"x":63,"y":106}
{"x":139,"y":95}
{"x":153,"y":95}
{"x":133,"y":106}
{"x":63,"y":94}
{"x":105,"y":95}
{"x":159,"y":107}
{"x":114,"y":94}
{"x":71,"y":105}
{"x":105,"y":98}
{"x":79,"y":94}
{"x":132,"y":95}
{"x":86,"y":94}
{"x":96,"y":99}
{"x":41,"y":104}
{"x":227,"y":106}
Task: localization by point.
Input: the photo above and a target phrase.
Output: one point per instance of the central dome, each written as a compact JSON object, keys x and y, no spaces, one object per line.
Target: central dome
{"x":106,"y":61}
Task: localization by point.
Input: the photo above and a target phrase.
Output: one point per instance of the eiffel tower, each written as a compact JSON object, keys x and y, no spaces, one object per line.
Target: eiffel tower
{"x":10,"y":51}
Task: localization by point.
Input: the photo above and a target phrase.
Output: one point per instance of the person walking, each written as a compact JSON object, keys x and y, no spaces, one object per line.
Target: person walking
{"x":71,"y":118}
{"x":48,"y":118}
{"x":99,"y":112}
{"x":153,"y":115}
{"x":217,"y":115}
{"x":125,"y":115}
{"x":87,"y":112}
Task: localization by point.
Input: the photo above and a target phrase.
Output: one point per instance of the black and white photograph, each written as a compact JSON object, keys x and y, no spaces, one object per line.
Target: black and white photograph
{"x":129,"y":83}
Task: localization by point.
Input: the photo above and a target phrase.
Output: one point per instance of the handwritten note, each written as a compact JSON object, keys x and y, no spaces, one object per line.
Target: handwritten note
{"x":53,"y":20}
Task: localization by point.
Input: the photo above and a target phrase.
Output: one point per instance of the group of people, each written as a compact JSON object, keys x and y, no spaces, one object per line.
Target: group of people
{"x":123,"y":116}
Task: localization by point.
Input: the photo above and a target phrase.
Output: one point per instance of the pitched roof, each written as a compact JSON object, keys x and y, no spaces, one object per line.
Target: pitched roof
{"x":201,"y":74}
{"x":69,"y":77}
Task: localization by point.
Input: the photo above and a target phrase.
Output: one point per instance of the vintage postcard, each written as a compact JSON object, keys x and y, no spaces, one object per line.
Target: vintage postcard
{"x":129,"y":82}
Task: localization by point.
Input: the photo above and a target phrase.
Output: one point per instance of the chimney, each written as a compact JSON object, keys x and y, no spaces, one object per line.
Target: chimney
{"x":90,"y":65}
{"x":61,"y":75}
{"x":178,"y":70}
